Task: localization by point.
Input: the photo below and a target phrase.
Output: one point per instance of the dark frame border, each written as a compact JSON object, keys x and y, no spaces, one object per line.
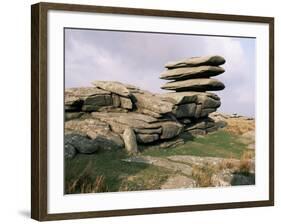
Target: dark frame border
{"x":39,"y":110}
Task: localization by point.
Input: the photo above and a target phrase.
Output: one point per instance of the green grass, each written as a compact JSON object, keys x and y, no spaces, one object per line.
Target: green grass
{"x":117,"y":175}
{"x":105,"y":171}
{"x":217,"y":144}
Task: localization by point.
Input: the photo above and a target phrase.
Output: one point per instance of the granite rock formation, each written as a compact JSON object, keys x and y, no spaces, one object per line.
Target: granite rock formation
{"x":112,"y":115}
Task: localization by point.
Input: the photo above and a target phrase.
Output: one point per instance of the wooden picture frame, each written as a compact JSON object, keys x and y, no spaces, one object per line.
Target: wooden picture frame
{"x":39,"y":109}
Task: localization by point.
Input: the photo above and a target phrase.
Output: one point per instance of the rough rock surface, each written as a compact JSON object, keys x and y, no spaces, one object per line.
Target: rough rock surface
{"x":72,"y":115}
{"x":99,"y":132}
{"x":126,"y":103}
{"x":200,"y":84}
{"x":162,"y":162}
{"x":179,"y":180}
{"x":153,"y":103}
{"x":214,"y":60}
{"x":114,"y":87}
{"x":170,"y":129}
{"x":147,"y":138}
{"x":191,"y":72}
{"x":69,"y":151}
{"x":185,"y":110}
{"x":130,"y":141}
{"x":81,"y":143}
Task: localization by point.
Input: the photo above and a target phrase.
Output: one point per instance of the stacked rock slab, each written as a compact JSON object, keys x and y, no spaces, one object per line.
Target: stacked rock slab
{"x":191,"y":79}
{"x":112,"y":115}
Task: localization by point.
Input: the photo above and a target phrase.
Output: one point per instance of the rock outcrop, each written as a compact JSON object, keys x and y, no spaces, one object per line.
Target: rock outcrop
{"x":112,"y":115}
{"x":214,"y":60}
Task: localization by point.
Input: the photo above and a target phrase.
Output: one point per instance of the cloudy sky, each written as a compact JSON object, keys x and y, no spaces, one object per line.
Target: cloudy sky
{"x":138,"y":58}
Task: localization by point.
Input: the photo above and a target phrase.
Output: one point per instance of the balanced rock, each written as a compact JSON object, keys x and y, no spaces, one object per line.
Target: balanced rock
{"x":189,"y":97}
{"x":195,"y":85}
{"x":191,"y":72}
{"x":214,"y":60}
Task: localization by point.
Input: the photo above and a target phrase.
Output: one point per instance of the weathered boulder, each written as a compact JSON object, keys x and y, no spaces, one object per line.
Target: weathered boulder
{"x":120,"y":121}
{"x":88,"y":98}
{"x":192,"y":104}
{"x":194,"y":85}
{"x":152,"y":103}
{"x":208,"y":100}
{"x":95,"y":102}
{"x":118,"y":88}
{"x":126,"y":103}
{"x":185,"y":110}
{"x":191,"y":72}
{"x":147,"y":128}
{"x":148,"y":112}
{"x":214,"y":60}
{"x":188,"y":97}
{"x":98,"y":131}
{"x":84,"y":92}
{"x":179,"y":180}
{"x":170,"y":129}
{"x":180,"y":97}
{"x":185,"y":169}
{"x":130,"y":141}
{"x":147,"y":138}
{"x":82,"y":143}
{"x":69,"y":151}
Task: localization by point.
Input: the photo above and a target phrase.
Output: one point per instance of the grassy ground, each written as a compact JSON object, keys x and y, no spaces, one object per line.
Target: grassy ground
{"x":105,"y":171}
{"x":217,"y":144}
